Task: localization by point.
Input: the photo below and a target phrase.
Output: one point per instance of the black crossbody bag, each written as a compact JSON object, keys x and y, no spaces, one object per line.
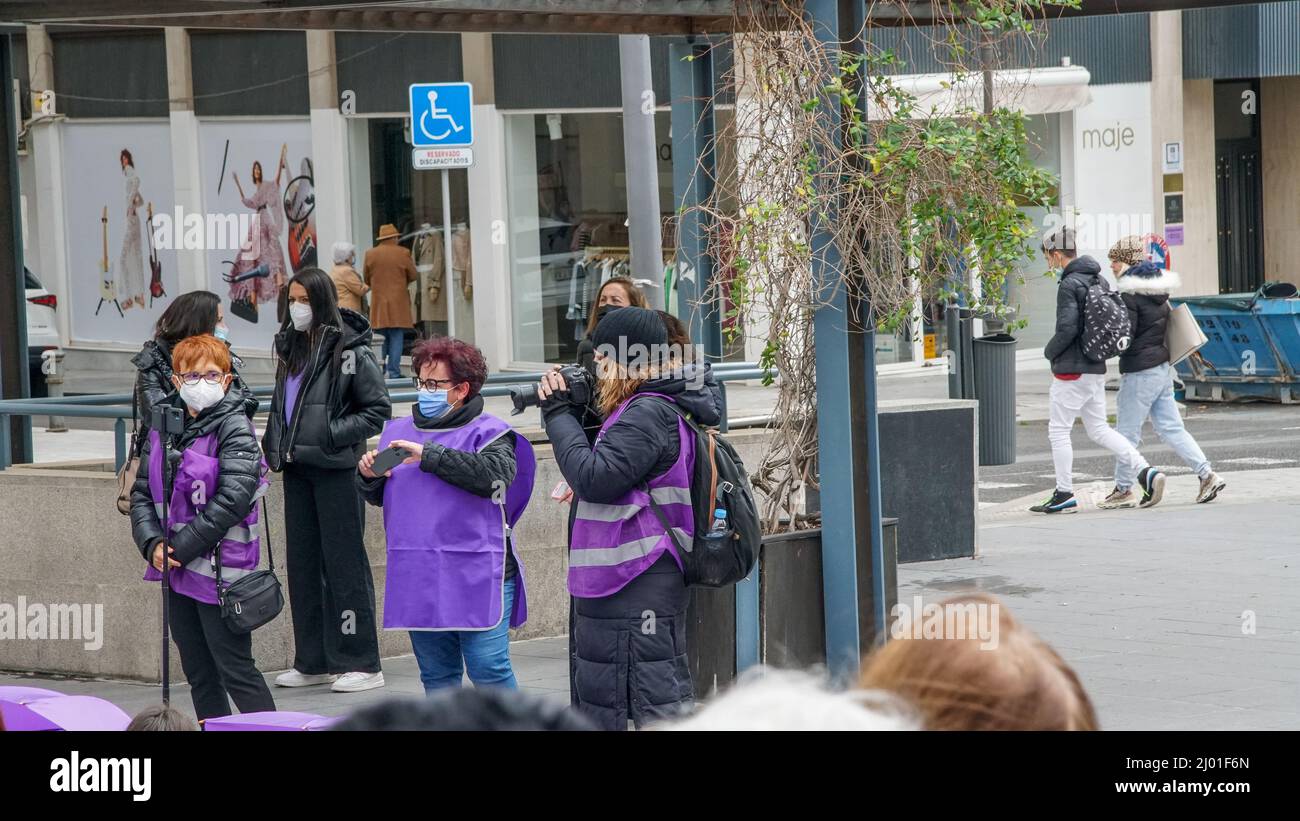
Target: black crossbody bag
{"x":254,"y":600}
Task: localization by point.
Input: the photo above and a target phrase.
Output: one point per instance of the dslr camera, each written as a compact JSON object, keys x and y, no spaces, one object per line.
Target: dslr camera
{"x":580,"y":387}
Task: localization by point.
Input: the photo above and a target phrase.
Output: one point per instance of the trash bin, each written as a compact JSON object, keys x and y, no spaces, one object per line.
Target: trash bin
{"x":995,"y":387}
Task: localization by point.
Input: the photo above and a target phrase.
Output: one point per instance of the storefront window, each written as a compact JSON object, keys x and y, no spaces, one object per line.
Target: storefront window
{"x":413,"y":202}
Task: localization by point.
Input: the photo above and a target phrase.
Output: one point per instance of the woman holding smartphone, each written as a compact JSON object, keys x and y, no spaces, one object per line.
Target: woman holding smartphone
{"x":454,"y":578}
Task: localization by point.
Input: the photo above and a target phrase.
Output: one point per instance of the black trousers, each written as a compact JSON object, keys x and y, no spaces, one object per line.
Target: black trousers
{"x":215,"y":660}
{"x":629,"y":651}
{"x":331,"y":589}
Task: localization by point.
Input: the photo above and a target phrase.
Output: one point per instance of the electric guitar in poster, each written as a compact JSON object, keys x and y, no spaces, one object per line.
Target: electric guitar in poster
{"x":107,"y":293}
{"x":155,"y":267}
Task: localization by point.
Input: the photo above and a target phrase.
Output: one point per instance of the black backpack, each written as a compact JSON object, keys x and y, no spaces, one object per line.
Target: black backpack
{"x":719,"y":481}
{"x":1106,"y":331}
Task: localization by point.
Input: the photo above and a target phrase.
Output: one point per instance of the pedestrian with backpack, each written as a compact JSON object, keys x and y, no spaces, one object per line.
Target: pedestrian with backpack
{"x":1146,"y":383}
{"x":625,"y":569}
{"x":1091,"y":326}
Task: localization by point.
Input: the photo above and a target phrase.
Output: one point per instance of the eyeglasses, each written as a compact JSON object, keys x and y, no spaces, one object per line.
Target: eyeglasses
{"x":433,"y":384}
{"x":211,"y":377}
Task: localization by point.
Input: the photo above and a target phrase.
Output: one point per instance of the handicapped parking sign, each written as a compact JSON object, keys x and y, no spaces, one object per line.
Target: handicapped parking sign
{"x":442,"y":115}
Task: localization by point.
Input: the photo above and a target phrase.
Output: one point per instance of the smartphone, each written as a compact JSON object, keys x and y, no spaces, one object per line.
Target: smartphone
{"x":389,"y":458}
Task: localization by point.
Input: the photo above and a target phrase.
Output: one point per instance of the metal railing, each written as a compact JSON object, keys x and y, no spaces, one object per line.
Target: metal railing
{"x":117,"y":406}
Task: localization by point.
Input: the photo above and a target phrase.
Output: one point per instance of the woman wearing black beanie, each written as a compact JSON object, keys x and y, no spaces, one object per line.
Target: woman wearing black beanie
{"x":629,"y":633}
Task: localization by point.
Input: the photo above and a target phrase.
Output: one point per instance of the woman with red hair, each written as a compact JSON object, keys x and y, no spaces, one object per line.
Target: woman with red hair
{"x":454,"y":579}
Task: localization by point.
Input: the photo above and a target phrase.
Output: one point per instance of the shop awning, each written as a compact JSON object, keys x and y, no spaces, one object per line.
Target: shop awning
{"x":1031,"y":91}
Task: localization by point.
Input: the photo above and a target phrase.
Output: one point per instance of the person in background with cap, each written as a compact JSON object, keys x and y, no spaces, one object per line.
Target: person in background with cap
{"x":389,"y":271}
{"x":1146,"y":383}
{"x":629,"y":632}
{"x":1079,"y":383}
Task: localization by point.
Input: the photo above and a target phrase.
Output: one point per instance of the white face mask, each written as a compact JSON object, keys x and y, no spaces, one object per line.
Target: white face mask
{"x":202,"y":396}
{"x":301,"y":316}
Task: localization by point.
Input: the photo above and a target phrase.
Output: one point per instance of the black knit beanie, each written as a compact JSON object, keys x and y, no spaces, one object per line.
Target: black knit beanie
{"x":630,"y":335}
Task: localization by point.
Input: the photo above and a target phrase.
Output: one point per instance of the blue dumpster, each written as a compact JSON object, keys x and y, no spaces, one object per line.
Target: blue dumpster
{"x":1253,"y":350}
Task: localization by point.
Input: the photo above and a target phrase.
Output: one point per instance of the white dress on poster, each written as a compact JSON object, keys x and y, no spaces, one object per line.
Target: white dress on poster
{"x":130,"y":262}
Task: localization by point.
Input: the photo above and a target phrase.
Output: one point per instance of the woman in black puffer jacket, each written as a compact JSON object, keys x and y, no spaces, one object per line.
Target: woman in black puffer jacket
{"x":190,"y":314}
{"x":329,"y":399}
{"x":1146,"y":382}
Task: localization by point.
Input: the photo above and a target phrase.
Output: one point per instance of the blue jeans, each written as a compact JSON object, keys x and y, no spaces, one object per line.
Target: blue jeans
{"x":1151,"y":393}
{"x":393,"y":340}
{"x":444,"y":655}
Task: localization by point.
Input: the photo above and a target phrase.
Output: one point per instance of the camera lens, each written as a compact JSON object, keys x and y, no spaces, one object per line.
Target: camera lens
{"x":525,"y":397}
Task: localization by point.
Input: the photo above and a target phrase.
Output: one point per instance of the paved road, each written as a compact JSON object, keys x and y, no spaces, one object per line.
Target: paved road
{"x":1234,"y":437}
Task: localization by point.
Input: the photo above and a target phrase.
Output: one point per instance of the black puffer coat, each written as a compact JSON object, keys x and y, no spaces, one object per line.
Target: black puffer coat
{"x":239,"y":466}
{"x":1063,"y":349}
{"x":342,"y":401}
{"x":1145,"y":290}
{"x":153,"y":383}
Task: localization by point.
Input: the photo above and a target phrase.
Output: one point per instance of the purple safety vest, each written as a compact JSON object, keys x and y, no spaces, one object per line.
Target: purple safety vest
{"x":614,"y":543}
{"x":447,"y":546}
{"x":196,"y":479}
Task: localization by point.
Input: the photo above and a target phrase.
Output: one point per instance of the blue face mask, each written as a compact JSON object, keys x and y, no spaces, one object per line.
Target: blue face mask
{"x":222,"y":332}
{"x":433,"y":404}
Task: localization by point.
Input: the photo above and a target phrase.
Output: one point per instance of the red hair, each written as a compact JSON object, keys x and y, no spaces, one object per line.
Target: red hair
{"x":192,"y":350}
{"x":465,"y":361}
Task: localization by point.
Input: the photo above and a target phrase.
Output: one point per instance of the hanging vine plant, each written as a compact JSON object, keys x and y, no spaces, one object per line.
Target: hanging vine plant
{"x":898,"y":193}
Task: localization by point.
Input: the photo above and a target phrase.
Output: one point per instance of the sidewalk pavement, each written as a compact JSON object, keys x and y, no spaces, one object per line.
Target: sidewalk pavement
{"x":1183,"y":616}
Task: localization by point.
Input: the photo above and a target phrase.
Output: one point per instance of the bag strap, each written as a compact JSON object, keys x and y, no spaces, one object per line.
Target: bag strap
{"x":663,"y":519}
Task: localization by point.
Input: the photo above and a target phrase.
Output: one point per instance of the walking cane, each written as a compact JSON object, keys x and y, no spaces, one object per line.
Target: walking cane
{"x":167,"y":421}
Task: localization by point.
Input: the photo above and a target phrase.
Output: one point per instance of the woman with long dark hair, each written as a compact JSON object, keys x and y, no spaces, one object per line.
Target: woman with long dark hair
{"x":191,"y":314}
{"x":329,"y":399}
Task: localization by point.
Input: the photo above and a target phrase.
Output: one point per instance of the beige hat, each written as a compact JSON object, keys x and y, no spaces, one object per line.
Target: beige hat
{"x":387,"y":231}
{"x":1129,"y":251}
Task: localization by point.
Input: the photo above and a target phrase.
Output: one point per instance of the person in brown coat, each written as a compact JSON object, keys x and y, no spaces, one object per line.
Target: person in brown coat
{"x":389,"y":270}
{"x":347,"y":282}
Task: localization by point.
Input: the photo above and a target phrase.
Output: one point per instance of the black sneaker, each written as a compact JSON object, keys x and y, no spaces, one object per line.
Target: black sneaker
{"x":1152,"y":482}
{"x":1059,"y":502}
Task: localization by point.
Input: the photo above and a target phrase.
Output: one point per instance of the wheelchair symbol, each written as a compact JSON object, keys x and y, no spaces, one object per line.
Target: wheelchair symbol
{"x":435,"y":113}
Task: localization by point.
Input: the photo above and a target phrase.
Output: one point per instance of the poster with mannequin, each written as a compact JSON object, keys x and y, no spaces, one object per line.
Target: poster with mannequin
{"x":117,"y":181}
{"x":257,"y":174}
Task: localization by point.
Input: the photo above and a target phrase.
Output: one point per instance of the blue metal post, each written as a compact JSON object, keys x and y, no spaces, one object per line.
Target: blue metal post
{"x":119,"y":443}
{"x":694,"y":167}
{"x":690,"y":75}
{"x":845,"y":354}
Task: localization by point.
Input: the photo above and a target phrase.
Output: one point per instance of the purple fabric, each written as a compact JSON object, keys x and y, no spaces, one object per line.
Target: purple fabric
{"x":60,"y":712}
{"x":17,"y":716}
{"x":596,"y":575}
{"x":198,"y":469}
{"x":292,"y":386}
{"x":446,"y":546}
{"x":270,"y":721}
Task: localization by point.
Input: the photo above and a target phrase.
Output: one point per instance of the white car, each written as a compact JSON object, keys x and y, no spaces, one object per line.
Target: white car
{"x":42,"y":331}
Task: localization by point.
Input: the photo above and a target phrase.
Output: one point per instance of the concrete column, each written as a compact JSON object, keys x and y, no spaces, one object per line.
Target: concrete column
{"x":191,"y":264}
{"x":1280,"y":152}
{"x":489,"y":208}
{"x":46,"y":139}
{"x":329,"y":149}
{"x":1197,"y":261}
{"x":1166,"y":104}
{"x":641,"y":164}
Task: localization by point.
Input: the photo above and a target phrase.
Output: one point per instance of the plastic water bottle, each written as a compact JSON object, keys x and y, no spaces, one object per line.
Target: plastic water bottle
{"x":719,"y":527}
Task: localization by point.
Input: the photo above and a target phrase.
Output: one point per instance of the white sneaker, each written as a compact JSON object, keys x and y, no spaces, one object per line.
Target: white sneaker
{"x":1210,"y":487}
{"x":293,"y":678}
{"x":357,"y":682}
